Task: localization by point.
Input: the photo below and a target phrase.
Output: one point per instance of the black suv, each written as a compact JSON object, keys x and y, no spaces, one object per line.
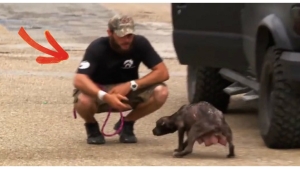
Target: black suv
{"x":244,"y":48}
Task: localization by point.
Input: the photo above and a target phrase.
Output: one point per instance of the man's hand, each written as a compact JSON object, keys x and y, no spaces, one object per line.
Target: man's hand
{"x":115,"y":101}
{"x":122,"y":89}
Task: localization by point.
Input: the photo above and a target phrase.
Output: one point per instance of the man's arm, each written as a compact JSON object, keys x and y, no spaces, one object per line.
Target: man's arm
{"x":86,"y":68}
{"x":158,"y":74}
{"x":85,"y":85}
{"x":154,"y":62}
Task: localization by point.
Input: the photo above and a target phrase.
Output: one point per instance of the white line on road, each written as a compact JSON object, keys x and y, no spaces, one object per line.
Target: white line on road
{"x":71,"y":57}
{"x":165,"y":50}
{"x":62,"y":74}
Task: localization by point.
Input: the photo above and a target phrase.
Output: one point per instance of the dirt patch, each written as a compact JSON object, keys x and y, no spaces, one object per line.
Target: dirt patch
{"x":143,"y":12}
{"x":8,"y":37}
{"x":3,"y":30}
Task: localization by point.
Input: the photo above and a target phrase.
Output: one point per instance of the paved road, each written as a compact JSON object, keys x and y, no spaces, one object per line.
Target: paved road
{"x":36,"y":104}
{"x":74,"y":25}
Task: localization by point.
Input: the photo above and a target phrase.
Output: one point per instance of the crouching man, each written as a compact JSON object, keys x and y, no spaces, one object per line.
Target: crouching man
{"x":107,"y":77}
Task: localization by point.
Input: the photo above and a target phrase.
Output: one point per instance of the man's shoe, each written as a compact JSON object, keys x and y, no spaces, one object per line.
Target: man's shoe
{"x":126,"y":134}
{"x":94,"y":135}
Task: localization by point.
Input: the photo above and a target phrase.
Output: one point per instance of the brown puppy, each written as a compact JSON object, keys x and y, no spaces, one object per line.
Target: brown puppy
{"x":201,"y":122}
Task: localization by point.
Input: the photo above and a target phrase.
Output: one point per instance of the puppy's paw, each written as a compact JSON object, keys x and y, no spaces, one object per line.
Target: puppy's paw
{"x":176,"y":150}
{"x":230,"y":156}
{"x":177,"y":155}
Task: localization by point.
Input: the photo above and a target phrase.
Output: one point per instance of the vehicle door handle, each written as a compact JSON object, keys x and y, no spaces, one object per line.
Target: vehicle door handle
{"x":181,"y":5}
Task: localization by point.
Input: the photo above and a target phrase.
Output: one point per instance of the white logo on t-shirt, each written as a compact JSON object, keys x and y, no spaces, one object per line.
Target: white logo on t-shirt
{"x":84,"y":65}
{"x":128,"y":64}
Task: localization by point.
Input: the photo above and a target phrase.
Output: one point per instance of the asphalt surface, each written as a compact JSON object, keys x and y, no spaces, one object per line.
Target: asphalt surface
{"x":37,"y":127}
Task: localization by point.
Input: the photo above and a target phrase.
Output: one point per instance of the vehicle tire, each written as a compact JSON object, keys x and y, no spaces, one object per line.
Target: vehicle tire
{"x":206,"y":84}
{"x":279,"y":110}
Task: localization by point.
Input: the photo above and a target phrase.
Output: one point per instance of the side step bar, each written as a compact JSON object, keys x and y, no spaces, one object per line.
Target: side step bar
{"x":252,"y":95}
{"x":241,"y":85}
{"x":236,"y":88}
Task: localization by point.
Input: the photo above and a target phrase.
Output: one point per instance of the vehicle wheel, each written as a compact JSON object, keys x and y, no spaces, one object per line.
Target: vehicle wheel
{"x":279,"y":110}
{"x":206,"y":84}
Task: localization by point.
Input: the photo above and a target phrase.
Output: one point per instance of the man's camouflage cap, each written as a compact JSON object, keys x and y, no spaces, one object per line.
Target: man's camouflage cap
{"x":122,"y":25}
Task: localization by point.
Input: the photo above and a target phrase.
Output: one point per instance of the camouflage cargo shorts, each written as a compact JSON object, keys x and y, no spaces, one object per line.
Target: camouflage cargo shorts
{"x":135,"y":97}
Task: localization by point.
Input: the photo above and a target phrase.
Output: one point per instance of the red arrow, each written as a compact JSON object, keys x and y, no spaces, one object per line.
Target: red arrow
{"x":58,"y":56}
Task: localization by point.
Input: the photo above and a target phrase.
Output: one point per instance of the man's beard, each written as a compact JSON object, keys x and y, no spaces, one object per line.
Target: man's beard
{"x":117,"y":47}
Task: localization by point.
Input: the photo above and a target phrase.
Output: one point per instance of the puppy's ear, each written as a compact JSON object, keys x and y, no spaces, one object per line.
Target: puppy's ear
{"x":168,"y":123}
{"x":182,"y":108}
{"x":165,"y":121}
{"x":179,"y":124}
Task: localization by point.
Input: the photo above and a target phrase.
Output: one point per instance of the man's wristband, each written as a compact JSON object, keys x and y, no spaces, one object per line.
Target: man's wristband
{"x":101,"y":94}
{"x":133,"y":85}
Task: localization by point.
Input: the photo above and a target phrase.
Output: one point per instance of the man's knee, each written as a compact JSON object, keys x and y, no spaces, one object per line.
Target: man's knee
{"x":160,"y":94}
{"x":85,"y":102}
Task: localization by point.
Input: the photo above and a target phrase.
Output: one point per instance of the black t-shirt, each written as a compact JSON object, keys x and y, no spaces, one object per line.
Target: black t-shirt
{"x":105,"y":66}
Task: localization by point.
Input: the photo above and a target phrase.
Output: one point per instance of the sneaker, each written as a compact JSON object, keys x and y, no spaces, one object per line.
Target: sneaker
{"x":126,"y":135}
{"x":94,"y":135}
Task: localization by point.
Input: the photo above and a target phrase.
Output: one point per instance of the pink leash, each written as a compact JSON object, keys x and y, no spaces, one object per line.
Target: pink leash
{"x":107,"y":117}
{"x":103,"y":126}
{"x":117,"y":131}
